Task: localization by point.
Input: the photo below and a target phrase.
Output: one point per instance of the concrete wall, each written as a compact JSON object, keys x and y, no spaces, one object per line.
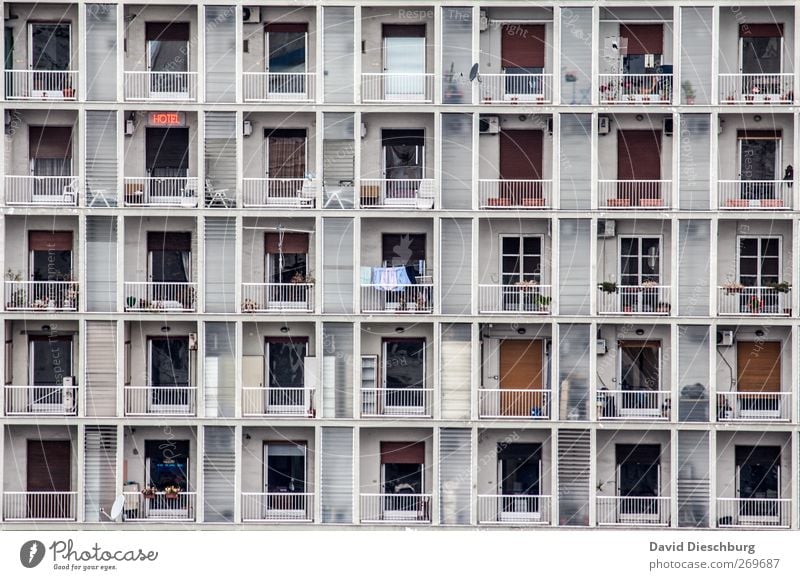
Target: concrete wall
{"x":136,"y":17}
{"x":17,"y":154}
{"x":728,"y":144}
{"x":489,"y":145}
{"x":253,"y":454}
{"x":608,"y":259}
{"x":255,"y":59}
{"x":728,"y":245}
{"x":372,"y":21}
{"x":607,"y":145}
{"x":607,"y":462}
{"x":17,"y":236}
{"x":253,"y":255}
{"x":370,"y":455}
{"x":255,"y":146}
{"x":608,"y":364}
{"x":48,"y":13}
{"x":136,"y":267}
{"x":726,"y":459}
{"x":372,"y":148}
{"x":134,"y":145}
{"x":134,"y":451}
{"x":15,"y":453}
{"x":490,"y":246}
{"x":731,"y":17}
{"x":487,"y":457}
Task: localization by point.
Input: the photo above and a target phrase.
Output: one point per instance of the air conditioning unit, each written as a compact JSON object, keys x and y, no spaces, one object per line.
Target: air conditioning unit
{"x":130,"y":127}
{"x":489,"y":125}
{"x":192,"y":341}
{"x":602,"y":347}
{"x":668,"y":126}
{"x":606,"y":228}
{"x":725,"y":338}
{"x":484,"y":21}
{"x":603,"y":125}
{"x":251,"y":14}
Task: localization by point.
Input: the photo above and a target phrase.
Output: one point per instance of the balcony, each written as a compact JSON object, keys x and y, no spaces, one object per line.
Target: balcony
{"x":395,"y":508}
{"x":515,"y":298}
{"x":278,"y":402}
{"x":279,"y":192}
{"x":39,"y":506}
{"x":516,"y":89}
{"x":754,"y":406}
{"x":514,"y":403}
{"x":158,"y":86}
{"x":268,"y":87}
{"x":407,"y":299}
{"x":161,"y":192}
{"x":514,"y":509}
{"x":633,"y":511}
{"x":753,"y":513}
{"x":737,"y":300}
{"x":737,"y":194}
{"x":37,"y":190}
{"x":41,"y":85}
{"x":160,"y":296}
{"x":397,"y":87}
{"x":398,"y":193}
{"x":160,"y":400}
{"x":647,"y":299}
{"x":277,"y":507}
{"x":40,"y":400}
{"x":633,"y":405}
{"x":634,"y":193}
{"x":278,"y":297}
{"x":159,"y":507}
{"x":756,"y":89}
{"x":635,"y":89}
{"x":59,"y":296}
{"x":515,"y":193}
{"x":396,"y":402}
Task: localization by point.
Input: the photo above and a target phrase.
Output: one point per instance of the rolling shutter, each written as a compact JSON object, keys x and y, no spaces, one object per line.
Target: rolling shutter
{"x":101,"y":368}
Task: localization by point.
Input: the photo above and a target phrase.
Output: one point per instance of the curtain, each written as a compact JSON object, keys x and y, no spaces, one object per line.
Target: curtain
{"x":287,"y":157}
{"x":186,"y":262}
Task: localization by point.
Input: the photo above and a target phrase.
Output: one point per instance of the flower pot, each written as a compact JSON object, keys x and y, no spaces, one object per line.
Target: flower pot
{"x":651,"y":202}
{"x":171,"y":495}
{"x":619,"y":202}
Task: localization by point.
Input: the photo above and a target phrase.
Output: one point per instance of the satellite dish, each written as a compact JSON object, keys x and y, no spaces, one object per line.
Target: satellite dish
{"x":116,"y":508}
{"x":474,"y":73}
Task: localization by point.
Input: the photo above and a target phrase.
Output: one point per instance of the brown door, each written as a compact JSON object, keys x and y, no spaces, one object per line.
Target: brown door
{"x":522,"y":46}
{"x":48,"y":469}
{"x":638,"y":158}
{"x":758,"y":367}
{"x":521,"y":158}
{"x":521,"y":369}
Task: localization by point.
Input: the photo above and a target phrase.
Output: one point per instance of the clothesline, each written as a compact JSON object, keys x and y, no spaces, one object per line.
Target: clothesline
{"x":388,"y":279}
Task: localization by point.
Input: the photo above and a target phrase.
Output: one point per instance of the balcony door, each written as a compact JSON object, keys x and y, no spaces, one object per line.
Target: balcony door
{"x":640,"y":273}
{"x":286,"y":48}
{"x":521,"y":155}
{"x":285,"y":473}
{"x":405,"y":250}
{"x":761,"y":53}
{"x":50,"y":157}
{"x":286,"y":153}
{"x":50,"y":260}
{"x":166,"y":463}
{"x":522,"y":50}
{"x":638,"y":166}
{"x":638,"y":482}
{"x":521,"y":272}
{"x":48,"y":469}
{"x":644,"y":54}
{"x":169,"y":263}
{"x":403,"y":161}
{"x":286,"y":270}
{"x":759,"y":267}
{"x":285,"y":370}
{"x":50,"y":363}
{"x":758,"y":483}
{"x":758,"y":378}
{"x":521,"y":378}
{"x":169,"y":365}
{"x":49,"y":51}
{"x":402,"y":479}
{"x":639,"y":378}
{"x":759,"y":164}
{"x":167,"y":156}
{"x":404,"y":369}
{"x":168,"y":59}
{"x":404,"y":62}
{"x":519,"y":472}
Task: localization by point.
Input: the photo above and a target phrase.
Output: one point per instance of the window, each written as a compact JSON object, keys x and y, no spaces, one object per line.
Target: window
{"x":166,"y":155}
{"x":167,"y":463}
{"x":287,"y":258}
{"x":640,"y":260}
{"x":758,"y":477}
{"x":50,"y":257}
{"x":169,"y":374}
{"x":405,"y":250}
{"x":645,"y":48}
{"x":521,"y":259}
{"x":402,"y":477}
{"x":286,"y":48}
{"x":286,"y":154}
{"x":403,"y":161}
{"x":168,"y":55}
{"x":404,"y":372}
{"x":761,"y":48}
{"x":50,"y":363}
{"x":49,"y":46}
{"x":50,"y":154}
{"x":285,"y":362}
{"x":759,"y":261}
{"x":638,"y":476}
{"x":519,"y":469}
{"x":285,"y":468}
{"x":639,"y":379}
{"x":170,"y":256}
{"x":759,"y":163}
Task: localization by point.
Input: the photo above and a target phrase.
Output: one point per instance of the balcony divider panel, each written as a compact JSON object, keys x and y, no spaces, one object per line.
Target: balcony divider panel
{"x":694,"y":267}
{"x":695,"y":161}
{"x":573,"y":372}
{"x":219,"y":474}
{"x":101,"y":368}
{"x":337,"y":265}
{"x":220,"y":372}
{"x":574,"y":473}
{"x":576,"y":56}
{"x":456,"y":371}
{"x":338,"y":160}
{"x":456,"y":252}
{"x":693,"y":373}
{"x":696,"y":50}
{"x":337,"y":369}
{"x":338,"y":46}
{"x":99,"y":471}
{"x":220,"y":156}
{"x":456,"y":182}
{"x":220,"y":264}
{"x":220,"y":54}
{"x":693,"y":479}
{"x":100,"y":292}
{"x":336,"y":475}
{"x":574,"y":266}
{"x":576,"y":154}
{"x":456,"y":54}
{"x":101,"y":53}
{"x":101,"y":158}
{"x":455,"y":476}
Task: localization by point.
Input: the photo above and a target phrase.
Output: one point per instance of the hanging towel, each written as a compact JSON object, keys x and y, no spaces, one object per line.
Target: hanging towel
{"x":411,"y":274}
{"x":385,"y":278}
{"x":402,"y":276}
{"x":366,"y":275}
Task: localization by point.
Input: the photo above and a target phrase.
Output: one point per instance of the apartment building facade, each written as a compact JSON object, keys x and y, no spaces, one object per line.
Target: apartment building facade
{"x":510,"y":264}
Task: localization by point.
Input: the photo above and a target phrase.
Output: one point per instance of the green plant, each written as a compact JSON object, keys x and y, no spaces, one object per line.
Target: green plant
{"x":781,"y":286}
{"x":541,"y":301}
{"x":688,"y":90}
{"x":131,"y":301}
{"x":609,"y":287}
{"x":13,"y":275}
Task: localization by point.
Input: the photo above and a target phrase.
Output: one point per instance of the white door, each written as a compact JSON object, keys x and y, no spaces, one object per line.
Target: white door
{"x":404,"y":68}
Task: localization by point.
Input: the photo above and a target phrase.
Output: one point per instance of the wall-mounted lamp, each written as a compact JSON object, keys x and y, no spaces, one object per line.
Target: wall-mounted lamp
{"x":757,"y":118}
{"x":759,"y":333}
{"x":46,"y":328}
{"x":284,"y":329}
{"x":521,"y":330}
{"x":639,"y":331}
{"x":165,"y":329}
{"x":640,"y":118}
{"x":399,"y":330}
{"x":247,"y":436}
{"x":247,"y":128}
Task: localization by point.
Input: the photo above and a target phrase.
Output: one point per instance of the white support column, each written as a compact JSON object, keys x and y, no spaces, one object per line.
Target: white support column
{"x":2,"y":463}
{"x":714,"y":161}
{"x":474,"y":271}
{"x":673,"y":476}
{"x":476,"y":52}
{"x":201,"y":158}
{"x":595,"y":97}
{"x":120,"y":274}
{"x":119,"y":194}
{"x":120,"y":461}
{"x":677,"y":124}
{"x":795,"y":281}
{"x":714,"y":61}
{"x":357,"y":160}
{"x":317,"y":455}
{"x":81,"y":165}
{"x":556,"y":52}
{"x":3,"y":363}
{"x":120,"y":55}
{"x":201,"y":56}
{"x":436,"y":372}
{"x":674,"y":387}
{"x":712,"y":477}
{"x":80,"y":459}
{"x":592,"y":477}
{"x":121,"y":369}
{"x":317,"y":169}
{"x":437,"y":54}
{"x":676,"y":60}
{"x":437,"y":266}
{"x":795,"y":367}
{"x":200,"y":223}
{"x":199,"y":365}
{"x":318,"y":68}
{"x":81,"y":254}
{"x":356,"y":475}
{"x":712,"y":287}
{"x":555,"y":395}
{"x":357,"y":265}
{"x":474,"y":459}
{"x":239,"y":51}
{"x":592,"y":372}
{"x":199,"y":506}
{"x":238,"y":192}
{"x":316,"y":242}
{"x":237,"y":473}
{"x":795,"y":64}
{"x":795,"y":201}
{"x":81,"y":38}
{"x":476,"y":160}
{"x":356,"y":371}
{"x":475,"y":370}
{"x":237,"y":367}
{"x":556,"y":199}
{"x":79,"y":368}
{"x":356,"y":78}
{"x":674,"y":265}
{"x":437,"y":161}
{"x":435,"y":487}
{"x":712,"y":371}
{"x":554,"y":503}
{"x":595,"y":163}
{"x":593,"y":266}
{"x":238,"y":267}
{"x":795,"y":474}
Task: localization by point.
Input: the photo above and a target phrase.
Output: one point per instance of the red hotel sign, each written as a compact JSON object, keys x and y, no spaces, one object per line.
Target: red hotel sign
{"x":166,"y":119}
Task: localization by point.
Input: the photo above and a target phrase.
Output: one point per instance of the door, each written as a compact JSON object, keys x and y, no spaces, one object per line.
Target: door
{"x":287,"y":270}
{"x":49,"y":51}
{"x":759,"y":164}
{"x":168,"y":59}
{"x":758,"y":374}
{"x":639,"y":378}
{"x":167,"y":465}
{"x":403,"y":164}
{"x":286,"y":154}
{"x":521,"y":376}
{"x":759,"y":267}
{"x":522,"y":49}
{"x":521,"y":153}
{"x":638,"y":161}
{"x":49,"y":470}
{"x":284,"y":477}
{"x":761,"y":61}
{"x":640,"y":275}
{"x":402,"y":480}
{"x":287,"y":48}
{"x":169,"y":256}
{"x":404,"y":376}
{"x":519,"y":480}
{"x":285,"y":380}
{"x":521,"y":274}
{"x":404,"y":62}
{"x":405,"y":250}
{"x":167,"y":156}
{"x":50,"y":362}
{"x":50,"y":260}
{"x":50,"y":157}
{"x":638,"y":481}
{"x":758,"y":482}
{"x":170,"y":374}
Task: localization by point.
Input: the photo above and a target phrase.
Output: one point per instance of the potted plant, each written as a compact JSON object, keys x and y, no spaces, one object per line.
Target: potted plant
{"x":688,"y":92}
{"x":782,"y":287}
{"x":131,"y":301}
{"x":541,"y":302}
{"x":172,"y":491}
{"x":608,"y":287}
{"x":68,"y":92}
{"x":755,"y":304}
{"x":732,"y":287}
{"x":248,"y":305}
{"x":149,"y":492}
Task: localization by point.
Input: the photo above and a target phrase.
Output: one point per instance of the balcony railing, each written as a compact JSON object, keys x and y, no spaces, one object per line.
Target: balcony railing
{"x":161,"y":191}
{"x":396,"y":402}
{"x":634,"y":193}
{"x":160,"y":296}
{"x":515,"y":193}
{"x":514,"y":509}
{"x":398,"y":193}
{"x":633,"y":511}
{"x":279,"y":192}
{"x":39,"y":505}
{"x":61,"y":190}
{"x":756,"y":89}
{"x":278,"y":297}
{"x":650,"y":299}
{"x":160,"y":400}
{"x":505,"y":89}
{"x":40,"y":400}
{"x":633,"y":404}
{"x":737,"y":300}
{"x":395,"y":507}
{"x":41,"y":85}
{"x":159,"y":507}
{"x":268,"y":87}
{"x":277,"y":507}
{"x":411,"y":298}
{"x":32,"y":295}
{"x":641,"y":89}
{"x":397,"y":87}
{"x":514,"y":403}
{"x":750,"y":406}
{"x":160,"y":86}
{"x":753,"y":513}
{"x":510,"y":298}
{"x":737,"y":194}
{"x":278,"y":401}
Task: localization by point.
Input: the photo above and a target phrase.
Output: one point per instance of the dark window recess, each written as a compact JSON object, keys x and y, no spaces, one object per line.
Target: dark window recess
{"x":520,"y":470}
{"x":404,"y":157}
{"x":169,"y":365}
{"x":286,"y":154}
{"x":638,"y":468}
{"x":169,"y":463}
{"x":404,"y":250}
{"x":404,"y":368}
{"x":171,"y":31}
{"x":52,"y":360}
{"x":403,"y":30}
{"x":170,"y":259}
{"x":167,"y":151}
{"x":50,"y":47}
{"x":286,"y":362}
{"x":522,"y":48}
{"x":286,"y":469}
{"x":51,"y":256}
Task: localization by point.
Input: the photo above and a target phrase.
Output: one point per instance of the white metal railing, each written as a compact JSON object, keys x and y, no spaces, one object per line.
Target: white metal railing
{"x":278,"y":297}
{"x":160,"y":86}
{"x":279,"y":192}
{"x":514,"y":509}
{"x":33,"y":295}
{"x":753,"y":513}
{"x":635,"y":88}
{"x":409,"y":298}
{"x":632,"y":511}
{"x":158,"y":296}
{"x":402,"y":193}
{"x":42,"y":85}
{"x":505,"y":88}
{"x":278,"y":401}
{"x":160,"y":400}
{"x":738,"y":194}
{"x":634,"y":193}
{"x":39,"y":505}
{"x":633,"y":404}
{"x":642,"y":299}
{"x":161,"y":191}
{"x":755,"y":88}
{"x":277,"y":507}
{"x":61,"y":190}
{"x":514,"y":403}
{"x":260,"y":87}
{"x":515,"y":193}
{"x":522,"y":297}
{"x":396,"y":402}
{"x":753,"y":406}
{"x":40,"y":400}
{"x":753,"y":301}
{"x":397,"y":87}
{"x":395,"y":507}
{"x":159,"y":507}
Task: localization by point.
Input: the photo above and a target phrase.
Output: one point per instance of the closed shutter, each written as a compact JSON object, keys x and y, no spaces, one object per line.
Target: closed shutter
{"x":220,"y":369}
{"x":768,"y":30}
{"x":643,"y":38}
{"x":101,"y":368}
{"x":337,"y":265}
{"x":101,"y":53}
{"x":403,"y":452}
{"x":696,"y":51}
{"x":220,"y":54}
{"x":638,"y":155}
{"x":455,"y":476}
{"x":521,"y":153}
{"x":101,"y":264}
{"x":220,"y":237}
{"x":456,"y":371}
{"x":336,"y":475}
{"x":175,"y":31}
{"x":522,"y":45}
{"x":50,"y":142}
{"x":456,"y":253}
{"x":758,"y":366}
{"x":403,"y":30}
{"x":574,"y":471}
{"x":49,"y":241}
{"x":101,"y":157}
{"x":693,"y":479}
{"x":49,"y":466}
{"x":99,"y":470}
{"x":220,"y":151}
{"x":573,"y":266}
{"x":169,"y":241}
{"x":219,"y":474}
{"x":296,"y":243}
{"x":286,"y":27}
